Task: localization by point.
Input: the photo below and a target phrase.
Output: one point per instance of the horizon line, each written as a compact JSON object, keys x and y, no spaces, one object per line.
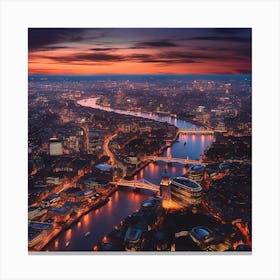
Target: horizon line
{"x":170,"y":74}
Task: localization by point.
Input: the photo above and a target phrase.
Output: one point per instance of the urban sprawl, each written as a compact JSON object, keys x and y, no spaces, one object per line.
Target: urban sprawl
{"x":79,"y":156}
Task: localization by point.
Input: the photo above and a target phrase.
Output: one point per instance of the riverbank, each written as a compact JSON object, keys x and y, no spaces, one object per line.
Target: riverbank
{"x":160,"y":114}
{"x":59,"y":230}
{"x":195,"y":147}
{"x":157,"y":153}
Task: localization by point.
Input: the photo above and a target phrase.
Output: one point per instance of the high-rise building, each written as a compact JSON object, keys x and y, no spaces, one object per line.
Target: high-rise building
{"x":55,"y":147}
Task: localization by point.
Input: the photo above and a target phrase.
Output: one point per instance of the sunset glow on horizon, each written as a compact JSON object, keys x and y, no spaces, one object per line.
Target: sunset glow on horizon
{"x":84,"y":51}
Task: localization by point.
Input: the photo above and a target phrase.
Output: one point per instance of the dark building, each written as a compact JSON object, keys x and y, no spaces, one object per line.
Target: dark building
{"x":103,"y":172}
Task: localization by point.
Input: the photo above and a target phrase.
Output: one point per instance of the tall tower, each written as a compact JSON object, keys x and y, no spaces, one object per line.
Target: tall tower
{"x":165,"y":186}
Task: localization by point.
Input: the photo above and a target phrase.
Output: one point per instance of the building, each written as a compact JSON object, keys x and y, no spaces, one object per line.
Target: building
{"x":103,"y":172}
{"x":60,"y":214}
{"x":37,"y":232}
{"x":126,"y":127}
{"x":165,"y":186}
{"x":150,"y":210}
{"x":34,"y":237}
{"x":161,"y":241}
{"x":72,"y":144}
{"x":71,"y":194}
{"x":185,"y":191}
{"x":202,"y":236}
{"x":53,"y":180}
{"x":94,"y":142}
{"x":35,"y":212}
{"x":119,"y":97}
{"x":133,"y":239}
{"x":85,"y":195}
{"x":221,"y":127}
{"x":55,"y":147}
{"x":196,"y":173}
{"x":51,"y":200}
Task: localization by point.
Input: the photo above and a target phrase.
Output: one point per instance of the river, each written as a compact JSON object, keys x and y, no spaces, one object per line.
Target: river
{"x":124,"y":202}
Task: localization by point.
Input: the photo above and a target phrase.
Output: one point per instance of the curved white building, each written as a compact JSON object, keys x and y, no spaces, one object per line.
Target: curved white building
{"x":185,"y":191}
{"x":196,"y":173}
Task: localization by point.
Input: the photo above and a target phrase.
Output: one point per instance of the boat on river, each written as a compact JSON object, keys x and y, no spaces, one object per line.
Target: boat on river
{"x":87,"y":233}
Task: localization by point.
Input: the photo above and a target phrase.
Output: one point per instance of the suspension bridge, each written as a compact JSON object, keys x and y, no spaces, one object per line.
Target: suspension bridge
{"x":196,"y":130}
{"x":137,"y":184}
{"x":170,"y":159}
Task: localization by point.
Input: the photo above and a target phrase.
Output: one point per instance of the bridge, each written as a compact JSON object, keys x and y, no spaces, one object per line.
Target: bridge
{"x":137,"y":184}
{"x":196,"y":130}
{"x":172,"y":159}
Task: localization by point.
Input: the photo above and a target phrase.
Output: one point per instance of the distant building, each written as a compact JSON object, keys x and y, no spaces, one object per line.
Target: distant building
{"x":126,"y":127}
{"x":221,"y":127}
{"x":119,"y":97}
{"x":227,"y":87}
{"x":94,"y":142}
{"x":200,"y":109}
{"x":55,"y":147}
{"x":72,"y":144}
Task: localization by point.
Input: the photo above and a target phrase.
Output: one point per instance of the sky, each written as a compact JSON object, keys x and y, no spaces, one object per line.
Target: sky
{"x":91,"y":51}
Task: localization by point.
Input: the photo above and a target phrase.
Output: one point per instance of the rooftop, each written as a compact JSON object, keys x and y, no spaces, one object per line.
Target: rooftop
{"x":185,"y":182}
{"x":61,"y":210}
{"x":198,"y":167}
{"x":103,"y":167}
{"x":133,"y":234}
{"x":201,"y":232}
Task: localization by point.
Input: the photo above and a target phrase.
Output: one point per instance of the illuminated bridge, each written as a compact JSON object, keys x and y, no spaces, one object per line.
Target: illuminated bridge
{"x":137,"y":184}
{"x":172,"y":159}
{"x":195,"y":130}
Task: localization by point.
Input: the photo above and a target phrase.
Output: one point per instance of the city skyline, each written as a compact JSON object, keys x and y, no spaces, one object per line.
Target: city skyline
{"x":91,"y":51}
{"x":130,"y":149}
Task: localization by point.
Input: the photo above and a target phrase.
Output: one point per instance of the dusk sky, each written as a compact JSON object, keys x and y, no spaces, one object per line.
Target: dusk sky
{"x":86,"y":51}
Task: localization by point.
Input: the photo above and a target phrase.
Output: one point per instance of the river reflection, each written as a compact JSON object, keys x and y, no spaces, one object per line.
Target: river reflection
{"x":124,"y":202}
{"x":98,"y":222}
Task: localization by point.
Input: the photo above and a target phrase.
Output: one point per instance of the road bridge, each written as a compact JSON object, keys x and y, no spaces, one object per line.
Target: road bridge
{"x":137,"y":184}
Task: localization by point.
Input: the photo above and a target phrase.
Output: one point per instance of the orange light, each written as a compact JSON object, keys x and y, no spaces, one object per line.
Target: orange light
{"x":69,"y":233}
{"x":86,"y":219}
{"x":170,"y":205}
